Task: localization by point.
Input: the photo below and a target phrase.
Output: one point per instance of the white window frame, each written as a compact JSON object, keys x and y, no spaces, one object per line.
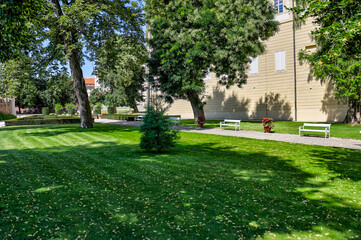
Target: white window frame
{"x":280,"y":60}
{"x":253,"y":65}
{"x":279,"y":5}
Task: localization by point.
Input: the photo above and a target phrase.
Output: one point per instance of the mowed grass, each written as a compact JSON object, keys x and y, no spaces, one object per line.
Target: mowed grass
{"x":337,"y":129}
{"x":64,"y":182}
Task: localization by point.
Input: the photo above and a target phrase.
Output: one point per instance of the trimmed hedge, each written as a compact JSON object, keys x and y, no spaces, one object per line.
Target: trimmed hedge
{"x":4,"y":116}
{"x":45,"y":111}
{"x":128,"y":117}
{"x":42,"y":120}
{"x":110,"y":110}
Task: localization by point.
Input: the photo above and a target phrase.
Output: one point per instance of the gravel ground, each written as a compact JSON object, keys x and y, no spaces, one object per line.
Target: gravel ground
{"x":282,"y":137}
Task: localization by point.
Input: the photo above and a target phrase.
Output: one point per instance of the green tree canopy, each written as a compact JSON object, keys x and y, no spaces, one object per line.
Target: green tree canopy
{"x":189,"y":37}
{"x":33,"y":86}
{"x":338,"y":53}
{"x":17,"y":79}
{"x":17,"y":19}
{"x":120,"y":68}
{"x":72,"y":30}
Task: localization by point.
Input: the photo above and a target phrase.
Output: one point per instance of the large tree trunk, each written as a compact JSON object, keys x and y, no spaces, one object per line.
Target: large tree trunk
{"x":134,"y":106}
{"x":80,"y":89}
{"x":353,"y":116}
{"x":76,"y":71}
{"x":196,"y":104}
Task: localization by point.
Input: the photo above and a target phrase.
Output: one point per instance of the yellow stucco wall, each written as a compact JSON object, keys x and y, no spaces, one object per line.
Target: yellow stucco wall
{"x":315,"y":101}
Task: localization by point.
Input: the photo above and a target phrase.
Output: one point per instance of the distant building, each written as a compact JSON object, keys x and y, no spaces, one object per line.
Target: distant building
{"x":89,"y":84}
{"x":7,"y":106}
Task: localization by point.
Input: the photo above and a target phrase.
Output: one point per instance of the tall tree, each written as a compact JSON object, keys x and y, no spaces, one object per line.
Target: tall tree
{"x":73,"y":30}
{"x":120,"y":68}
{"x":16,"y":32}
{"x":57,"y":89}
{"x":338,"y":52}
{"x":17,"y":79}
{"x":191,"y":37}
{"x":32,"y":86}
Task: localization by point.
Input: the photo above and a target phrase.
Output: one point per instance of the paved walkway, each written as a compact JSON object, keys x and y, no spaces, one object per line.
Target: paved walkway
{"x":282,"y":137}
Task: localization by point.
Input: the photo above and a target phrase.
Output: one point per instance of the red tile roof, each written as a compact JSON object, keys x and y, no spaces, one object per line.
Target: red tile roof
{"x":89,"y":81}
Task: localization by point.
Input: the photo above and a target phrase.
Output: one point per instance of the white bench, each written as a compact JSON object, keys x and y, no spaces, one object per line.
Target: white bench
{"x":139,"y":118}
{"x":324,"y":127}
{"x":231,"y":122}
{"x":175,"y":120}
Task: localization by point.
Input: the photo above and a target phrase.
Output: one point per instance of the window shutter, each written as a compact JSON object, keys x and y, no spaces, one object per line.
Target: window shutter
{"x":280,"y":58}
{"x":253,"y":68}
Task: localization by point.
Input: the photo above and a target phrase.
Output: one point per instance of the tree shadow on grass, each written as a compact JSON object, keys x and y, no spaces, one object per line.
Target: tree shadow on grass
{"x":108,"y":190}
{"x":344,"y":163}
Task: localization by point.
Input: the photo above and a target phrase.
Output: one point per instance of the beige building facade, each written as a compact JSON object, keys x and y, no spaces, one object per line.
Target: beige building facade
{"x":278,"y":86}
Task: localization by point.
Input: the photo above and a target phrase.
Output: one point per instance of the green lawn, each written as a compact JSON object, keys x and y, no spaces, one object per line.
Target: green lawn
{"x":64,"y":182}
{"x":337,"y":129}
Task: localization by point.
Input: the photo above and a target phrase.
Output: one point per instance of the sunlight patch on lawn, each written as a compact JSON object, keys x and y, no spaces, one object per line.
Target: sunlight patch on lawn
{"x":247,"y":175}
{"x":318,"y":232}
{"x":127,"y":218}
{"x":47,"y":189}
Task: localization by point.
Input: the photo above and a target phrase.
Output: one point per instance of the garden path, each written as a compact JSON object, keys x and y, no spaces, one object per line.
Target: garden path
{"x":282,"y":137}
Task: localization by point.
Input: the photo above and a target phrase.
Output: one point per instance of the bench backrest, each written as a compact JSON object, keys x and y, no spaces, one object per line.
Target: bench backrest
{"x":232,"y":120}
{"x":324,"y":125}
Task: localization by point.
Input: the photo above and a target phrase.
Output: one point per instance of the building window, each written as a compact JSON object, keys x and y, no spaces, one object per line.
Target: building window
{"x":278,"y":4}
{"x":280,"y":58}
{"x":253,"y":65}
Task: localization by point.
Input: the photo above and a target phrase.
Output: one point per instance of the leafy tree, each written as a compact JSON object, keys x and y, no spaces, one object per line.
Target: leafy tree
{"x":338,"y":53}
{"x":16,"y":32}
{"x":189,"y":37}
{"x":156,"y":132}
{"x":67,"y":27}
{"x":120,"y":68}
{"x":33,"y":86}
{"x":58,"y":89}
{"x":17,"y":78}
{"x":97,"y":96}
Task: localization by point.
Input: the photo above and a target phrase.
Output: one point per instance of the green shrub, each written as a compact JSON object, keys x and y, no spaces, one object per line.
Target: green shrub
{"x":58,"y":109}
{"x":42,"y":120}
{"x":70,"y":108}
{"x":45,"y":111}
{"x":111,"y":109}
{"x":97,"y":109}
{"x":4,"y":116}
{"x":156,"y":133}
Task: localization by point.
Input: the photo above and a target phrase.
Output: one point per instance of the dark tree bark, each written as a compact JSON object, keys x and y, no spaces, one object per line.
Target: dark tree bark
{"x":80,"y":89}
{"x":196,"y":103}
{"x":76,"y":72}
{"x":135,"y":107}
{"x":353,"y":115}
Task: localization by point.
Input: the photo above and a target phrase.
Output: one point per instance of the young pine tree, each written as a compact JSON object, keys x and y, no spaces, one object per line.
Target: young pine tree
{"x":157,"y":135}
